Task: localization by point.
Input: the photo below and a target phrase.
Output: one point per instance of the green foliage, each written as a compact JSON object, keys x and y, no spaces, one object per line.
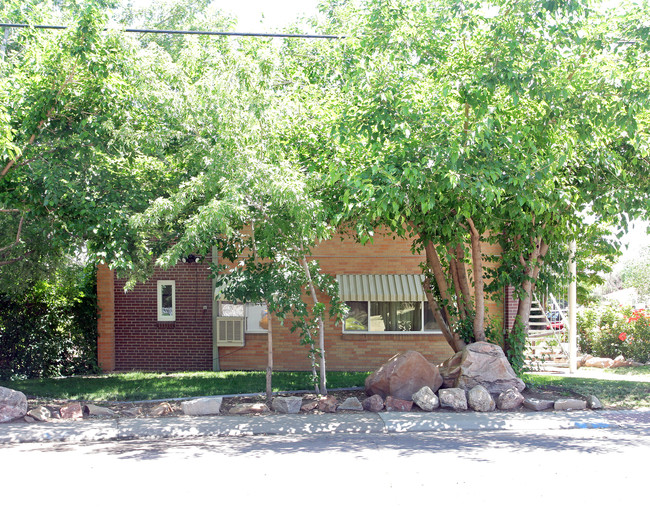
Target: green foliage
{"x":51,"y":329}
{"x":514,"y":347}
{"x":637,"y":274}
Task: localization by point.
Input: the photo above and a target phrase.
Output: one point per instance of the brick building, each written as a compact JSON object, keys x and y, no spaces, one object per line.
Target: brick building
{"x":173,"y":322}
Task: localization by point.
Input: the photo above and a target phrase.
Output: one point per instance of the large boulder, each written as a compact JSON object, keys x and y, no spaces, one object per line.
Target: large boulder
{"x":480,"y":363}
{"x":403,"y":375}
{"x":13,"y":404}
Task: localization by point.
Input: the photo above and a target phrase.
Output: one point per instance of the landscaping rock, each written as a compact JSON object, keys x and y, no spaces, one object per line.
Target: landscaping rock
{"x":13,"y":404}
{"x":327,"y":404}
{"x":287,"y":404}
{"x":403,"y":375}
{"x":249,"y":408}
{"x":599,"y":362}
{"x":374,"y":403}
{"x":95,"y":411}
{"x":164,"y":408}
{"x":538,"y":405}
{"x":202,"y":406}
{"x":133,"y":412}
{"x":72,"y":411}
{"x":453,"y":398}
{"x":594,"y":403}
{"x":426,"y":399}
{"x":480,"y":400}
{"x":481,"y":363}
{"x":29,"y":419}
{"x":351,"y":403}
{"x":570,"y":404}
{"x":40,"y":413}
{"x":308,"y":406}
{"x":510,"y":399}
{"x":394,"y":404}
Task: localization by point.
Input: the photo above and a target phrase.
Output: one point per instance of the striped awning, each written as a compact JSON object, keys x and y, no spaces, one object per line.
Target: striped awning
{"x":381,"y":287}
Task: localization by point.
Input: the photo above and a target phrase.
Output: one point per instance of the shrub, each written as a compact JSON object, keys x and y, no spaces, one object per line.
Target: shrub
{"x":612,"y":330}
{"x":51,"y":329}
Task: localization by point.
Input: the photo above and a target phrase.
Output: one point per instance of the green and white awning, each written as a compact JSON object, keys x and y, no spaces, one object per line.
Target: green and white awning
{"x":381,"y":287}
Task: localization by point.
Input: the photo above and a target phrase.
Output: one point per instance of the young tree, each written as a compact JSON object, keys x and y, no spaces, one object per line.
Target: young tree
{"x":250,"y":198}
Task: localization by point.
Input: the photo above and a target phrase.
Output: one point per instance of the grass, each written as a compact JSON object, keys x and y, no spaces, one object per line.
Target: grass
{"x":150,"y":386}
{"x":612,"y":393}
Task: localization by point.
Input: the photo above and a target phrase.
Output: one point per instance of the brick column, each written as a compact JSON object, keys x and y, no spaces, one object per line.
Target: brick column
{"x":106,"y":318}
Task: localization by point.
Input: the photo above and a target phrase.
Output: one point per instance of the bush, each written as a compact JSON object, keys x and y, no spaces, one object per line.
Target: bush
{"x":612,"y":330}
{"x":51,"y":329}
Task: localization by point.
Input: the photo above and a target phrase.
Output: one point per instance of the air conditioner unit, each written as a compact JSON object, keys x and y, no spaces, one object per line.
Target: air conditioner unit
{"x":230,"y":331}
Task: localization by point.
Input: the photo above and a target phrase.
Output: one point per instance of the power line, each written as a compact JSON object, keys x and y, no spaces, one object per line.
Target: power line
{"x":188,"y":32}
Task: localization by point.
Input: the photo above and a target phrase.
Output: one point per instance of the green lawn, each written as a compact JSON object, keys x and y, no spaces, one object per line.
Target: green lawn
{"x":149,"y":386}
{"x":612,"y":393}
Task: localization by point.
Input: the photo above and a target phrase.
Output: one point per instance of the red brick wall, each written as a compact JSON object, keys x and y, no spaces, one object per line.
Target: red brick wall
{"x":143,"y":343}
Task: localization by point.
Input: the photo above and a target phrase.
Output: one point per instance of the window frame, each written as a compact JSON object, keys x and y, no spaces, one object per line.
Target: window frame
{"x":159,"y":300}
{"x":368,"y":331}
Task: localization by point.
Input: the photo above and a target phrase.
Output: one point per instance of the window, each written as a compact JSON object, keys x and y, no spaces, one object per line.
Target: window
{"x":166,"y":300}
{"x":386,"y":304}
{"x":389,"y":317}
{"x":255,"y":315}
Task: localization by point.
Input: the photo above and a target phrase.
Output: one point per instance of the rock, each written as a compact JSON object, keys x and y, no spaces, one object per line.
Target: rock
{"x":453,"y":398}
{"x":570,"y":404}
{"x":249,"y":408}
{"x":308,"y":406}
{"x":202,"y":406}
{"x":403,"y":375}
{"x":599,"y":362}
{"x":480,"y":400}
{"x":481,"y":363}
{"x":510,"y":399}
{"x":394,"y":404}
{"x":95,"y":411}
{"x":161,"y":409}
{"x":287,"y":404}
{"x":72,"y":411}
{"x":620,"y":361}
{"x":133,"y":412}
{"x":583,"y":359}
{"x":351,"y":403}
{"x":426,"y":399}
{"x":374,"y":403}
{"x":40,"y":413}
{"x":538,"y":405}
{"x":29,"y":419}
{"x":594,"y":403}
{"x":327,"y":403}
{"x":13,"y":404}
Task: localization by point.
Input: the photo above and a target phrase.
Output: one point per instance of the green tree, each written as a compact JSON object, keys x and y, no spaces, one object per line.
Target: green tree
{"x":461,"y":124}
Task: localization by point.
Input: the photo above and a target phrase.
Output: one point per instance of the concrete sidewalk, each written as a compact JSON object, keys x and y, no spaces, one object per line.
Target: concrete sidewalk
{"x":311,"y":424}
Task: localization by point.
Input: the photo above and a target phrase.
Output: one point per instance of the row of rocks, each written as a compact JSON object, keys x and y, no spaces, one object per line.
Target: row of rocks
{"x":605,"y":362}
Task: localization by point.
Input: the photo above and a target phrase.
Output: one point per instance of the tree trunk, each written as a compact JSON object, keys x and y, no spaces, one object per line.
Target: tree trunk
{"x":532,"y":269}
{"x":454,"y":341}
{"x":321,"y":328}
{"x":269,"y":363}
{"x":479,"y":290}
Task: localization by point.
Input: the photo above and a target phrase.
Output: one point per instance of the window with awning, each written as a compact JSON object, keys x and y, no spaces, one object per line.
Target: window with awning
{"x":386,"y":304}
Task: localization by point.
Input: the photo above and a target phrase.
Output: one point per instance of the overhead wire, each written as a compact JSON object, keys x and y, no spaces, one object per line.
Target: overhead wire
{"x":188,"y":32}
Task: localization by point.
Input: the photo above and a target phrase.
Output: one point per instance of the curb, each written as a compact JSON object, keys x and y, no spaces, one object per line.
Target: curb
{"x":307,"y":424}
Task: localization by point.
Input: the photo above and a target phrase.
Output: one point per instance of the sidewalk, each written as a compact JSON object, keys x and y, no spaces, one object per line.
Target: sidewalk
{"x":313,"y":424}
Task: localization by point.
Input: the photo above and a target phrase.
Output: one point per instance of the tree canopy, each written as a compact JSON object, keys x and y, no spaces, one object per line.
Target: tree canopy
{"x":455,"y":122}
